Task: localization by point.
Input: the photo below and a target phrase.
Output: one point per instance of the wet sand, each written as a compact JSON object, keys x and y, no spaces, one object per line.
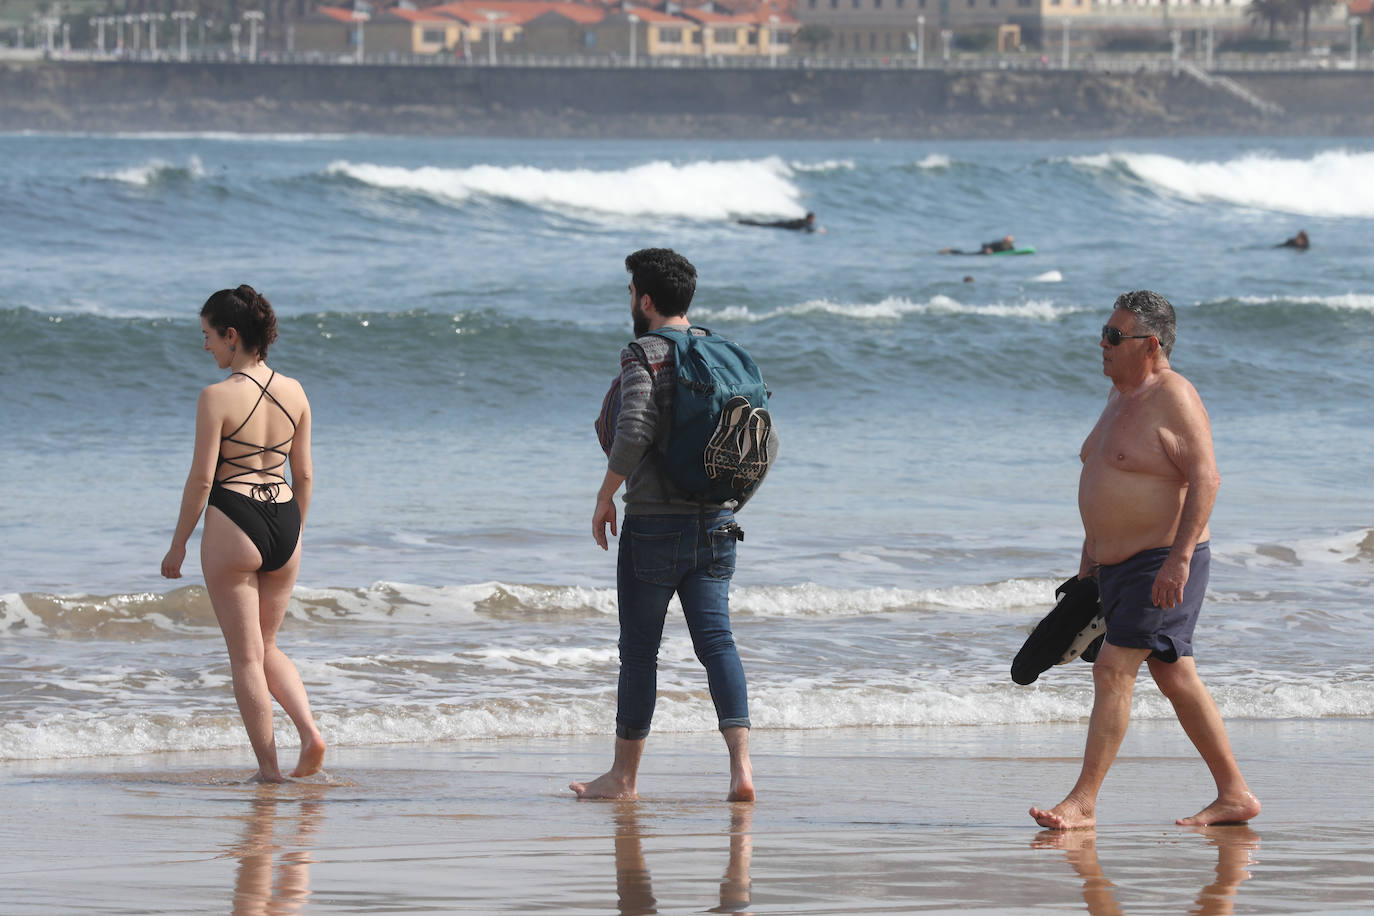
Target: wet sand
{"x":848,"y":821}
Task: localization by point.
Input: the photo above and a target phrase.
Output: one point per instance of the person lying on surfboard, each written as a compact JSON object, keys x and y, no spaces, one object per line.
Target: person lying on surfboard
{"x":1005,"y":243}
{"x":806,"y":223}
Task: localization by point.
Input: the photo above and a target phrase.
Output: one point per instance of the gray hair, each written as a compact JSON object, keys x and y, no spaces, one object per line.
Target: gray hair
{"x":1153,"y":315}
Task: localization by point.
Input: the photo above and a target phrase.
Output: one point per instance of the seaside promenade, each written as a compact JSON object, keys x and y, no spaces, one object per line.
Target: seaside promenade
{"x":970,"y":96}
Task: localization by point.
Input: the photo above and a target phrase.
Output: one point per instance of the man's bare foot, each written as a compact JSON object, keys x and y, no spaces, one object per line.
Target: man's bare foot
{"x":1067,"y":815}
{"x":607,"y":785}
{"x":1071,"y":841}
{"x":1224,"y":811}
{"x":268,"y":778}
{"x":741,"y":786}
{"x":311,"y":759}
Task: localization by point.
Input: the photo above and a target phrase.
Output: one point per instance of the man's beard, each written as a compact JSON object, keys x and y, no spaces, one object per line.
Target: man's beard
{"x":641,"y":321}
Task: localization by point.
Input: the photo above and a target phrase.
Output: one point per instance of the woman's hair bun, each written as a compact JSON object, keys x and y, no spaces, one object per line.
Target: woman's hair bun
{"x":246,"y":310}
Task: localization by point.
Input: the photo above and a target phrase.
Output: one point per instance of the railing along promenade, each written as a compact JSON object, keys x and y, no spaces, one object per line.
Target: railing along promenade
{"x":1049,"y":61}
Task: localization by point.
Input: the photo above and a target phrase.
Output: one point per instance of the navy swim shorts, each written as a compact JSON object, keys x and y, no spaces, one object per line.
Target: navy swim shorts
{"x":1133,"y":620}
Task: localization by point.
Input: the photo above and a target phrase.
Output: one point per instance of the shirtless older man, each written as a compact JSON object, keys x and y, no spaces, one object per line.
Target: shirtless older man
{"x":1147,"y":488}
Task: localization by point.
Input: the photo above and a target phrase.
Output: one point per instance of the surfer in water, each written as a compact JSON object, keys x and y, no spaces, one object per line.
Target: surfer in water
{"x":1298,"y":241}
{"x":1005,"y":243}
{"x":1148,"y":484}
{"x":805,"y":223}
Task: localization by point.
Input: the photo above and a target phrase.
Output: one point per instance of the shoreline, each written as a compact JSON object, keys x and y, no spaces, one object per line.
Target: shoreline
{"x":935,"y":821}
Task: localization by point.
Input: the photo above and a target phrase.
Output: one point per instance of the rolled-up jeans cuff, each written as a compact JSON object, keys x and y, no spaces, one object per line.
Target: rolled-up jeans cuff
{"x":737,"y":722}
{"x":630,"y":734}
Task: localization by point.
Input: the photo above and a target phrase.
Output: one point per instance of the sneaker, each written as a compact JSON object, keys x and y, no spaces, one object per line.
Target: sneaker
{"x":753,"y":459}
{"x":722,"y":454}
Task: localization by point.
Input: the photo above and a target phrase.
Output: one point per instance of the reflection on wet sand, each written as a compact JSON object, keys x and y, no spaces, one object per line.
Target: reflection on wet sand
{"x":634,"y":887}
{"x":277,"y":831}
{"x":1234,"y":844}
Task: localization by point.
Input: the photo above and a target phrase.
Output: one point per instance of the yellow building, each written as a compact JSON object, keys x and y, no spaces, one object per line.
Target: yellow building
{"x":741,"y":34}
{"x":337,"y":31}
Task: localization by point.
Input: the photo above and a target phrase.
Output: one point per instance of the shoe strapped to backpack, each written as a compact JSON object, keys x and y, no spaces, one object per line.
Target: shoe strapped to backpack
{"x":720,"y":445}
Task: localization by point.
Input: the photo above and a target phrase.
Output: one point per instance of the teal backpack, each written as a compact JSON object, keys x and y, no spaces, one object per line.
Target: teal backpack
{"x":720,"y":445}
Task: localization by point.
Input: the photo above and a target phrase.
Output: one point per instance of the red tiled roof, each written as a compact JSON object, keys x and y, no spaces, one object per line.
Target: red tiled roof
{"x":748,"y":17}
{"x":1360,"y":7}
{"x":414,"y":15}
{"x":650,"y":15}
{"x":337,"y":12}
{"x":577,"y":12}
{"x":512,"y":12}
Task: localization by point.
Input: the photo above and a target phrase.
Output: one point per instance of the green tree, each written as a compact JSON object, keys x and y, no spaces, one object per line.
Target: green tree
{"x":1272,"y":13}
{"x":813,"y":35}
{"x":1305,"y":9}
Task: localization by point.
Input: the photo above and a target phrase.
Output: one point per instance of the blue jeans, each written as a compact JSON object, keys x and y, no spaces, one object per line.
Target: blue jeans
{"x":694,"y":557}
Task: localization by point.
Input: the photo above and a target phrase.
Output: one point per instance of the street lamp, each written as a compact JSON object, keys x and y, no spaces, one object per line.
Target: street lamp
{"x":633,"y":33}
{"x":359,"y":17}
{"x":1064,"y":48}
{"x":920,"y":41}
{"x":491,"y":33}
{"x":49,"y":24}
{"x":98,"y":23}
{"x":772,"y":41}
{"x":1354,"y":40}
{"x":182,"y":17}
{"x":234,"y":28}
{"x":945,"y":36}
{"x":130,"y":19}
{"x":154,"y":20}
{"x":253,"y":17}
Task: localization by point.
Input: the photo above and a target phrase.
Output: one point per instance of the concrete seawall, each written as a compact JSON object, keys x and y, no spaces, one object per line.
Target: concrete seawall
{"x":610,"y":101}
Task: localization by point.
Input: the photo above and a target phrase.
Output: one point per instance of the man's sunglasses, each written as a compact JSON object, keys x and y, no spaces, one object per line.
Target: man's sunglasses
{"x":1113,"y":336}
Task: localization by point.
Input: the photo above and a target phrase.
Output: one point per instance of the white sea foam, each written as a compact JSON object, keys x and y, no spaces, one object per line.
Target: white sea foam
{"x":706,"y":190}
{"x":934,"y":161}
{"x":1338,"y":551}
{"x":154,"y":170}
{"x":896,"y":307}
{"x":826,"y":165}
{"x":1332,"y":183}
{"x":914,"y":702}
{"x":1049,"y":276}
{"x":552,"y":657}
{"x":187,"y":611}
{"x":1347,"y":302}
{"x":820,"y":601}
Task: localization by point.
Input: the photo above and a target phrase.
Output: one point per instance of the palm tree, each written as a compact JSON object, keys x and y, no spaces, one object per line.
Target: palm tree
{"x":1272,"y":13}
{"x":1306,"y":8}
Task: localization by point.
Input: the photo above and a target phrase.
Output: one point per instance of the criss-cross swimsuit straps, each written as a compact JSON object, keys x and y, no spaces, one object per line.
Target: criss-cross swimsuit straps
{"x":262,"y":491}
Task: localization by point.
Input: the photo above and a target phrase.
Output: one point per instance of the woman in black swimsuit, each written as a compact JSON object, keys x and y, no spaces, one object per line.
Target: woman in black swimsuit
{"x":249,"y":428}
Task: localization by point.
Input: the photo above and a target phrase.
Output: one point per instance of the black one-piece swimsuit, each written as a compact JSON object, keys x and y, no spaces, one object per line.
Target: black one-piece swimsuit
{"x":273,"y":527}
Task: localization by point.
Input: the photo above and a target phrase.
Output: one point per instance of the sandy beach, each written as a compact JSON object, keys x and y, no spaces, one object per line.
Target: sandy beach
{"x":855,"y":820}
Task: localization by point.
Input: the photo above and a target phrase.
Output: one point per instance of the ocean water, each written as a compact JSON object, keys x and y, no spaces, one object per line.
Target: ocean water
{"x":455,"y":308}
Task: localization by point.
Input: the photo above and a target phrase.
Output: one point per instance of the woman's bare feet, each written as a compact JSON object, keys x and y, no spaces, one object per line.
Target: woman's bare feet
{"x":607,"y":785}
{"x":312,"y":757}
{"x":1236,"y":810}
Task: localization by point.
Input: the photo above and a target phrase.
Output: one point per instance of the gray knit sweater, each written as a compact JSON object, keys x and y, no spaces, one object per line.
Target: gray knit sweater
{"x":646,"y":416}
